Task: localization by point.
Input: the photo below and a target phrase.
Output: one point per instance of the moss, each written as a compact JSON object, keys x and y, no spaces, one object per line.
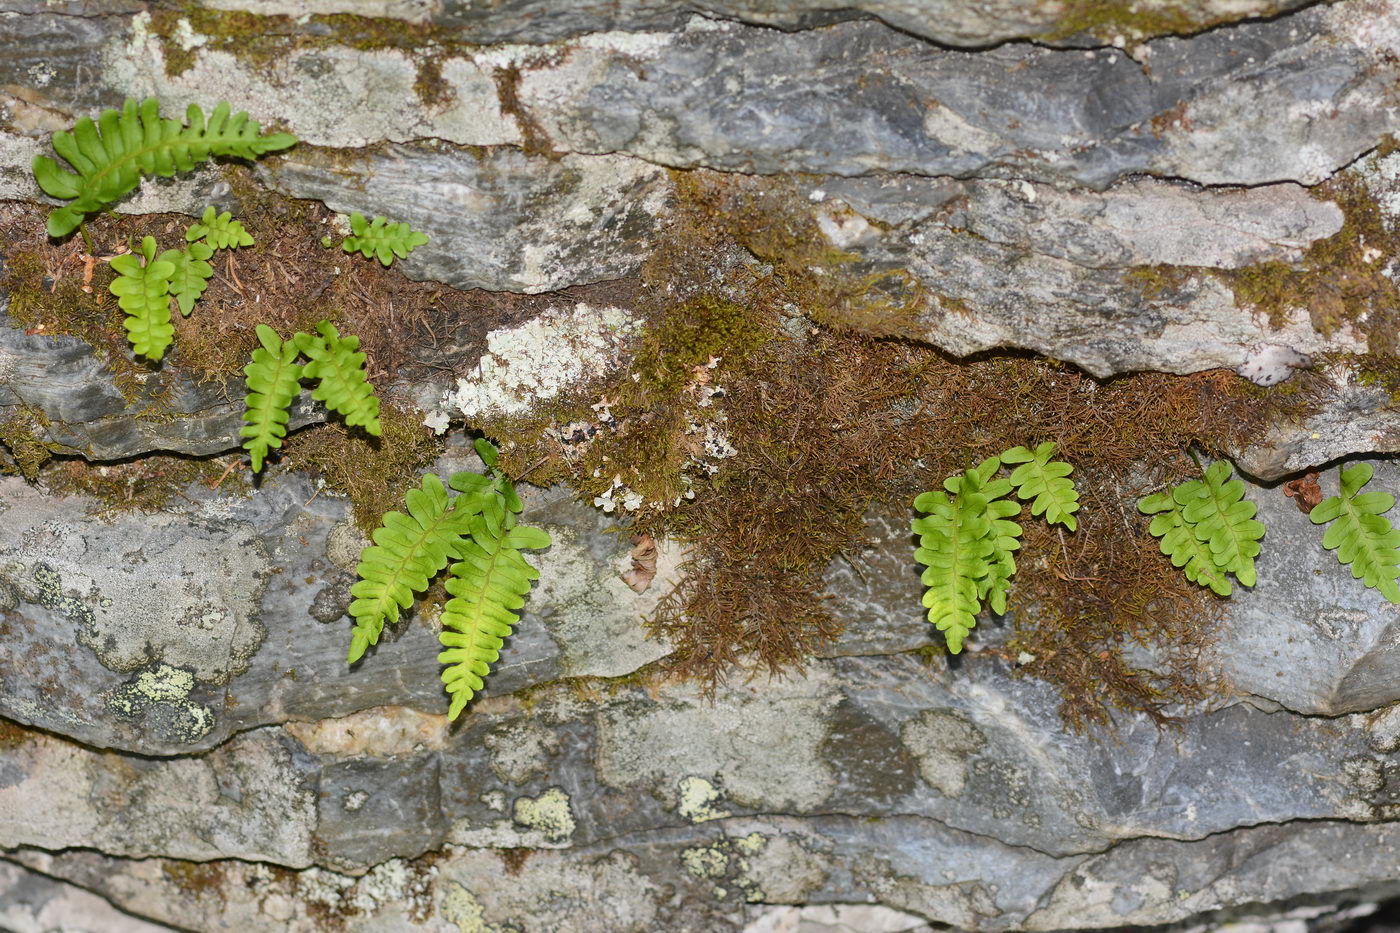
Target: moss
{"x":1130,"y":19}
{"x":264,"y":41}
{"x":373,"y":472}
{"x":143,"y":484}
{"x":25,"y":436}
{"x":535,"y":141}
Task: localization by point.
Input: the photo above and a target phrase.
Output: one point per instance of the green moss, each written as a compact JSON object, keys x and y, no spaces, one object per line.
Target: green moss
{"x":25,"y":436}
{"x":1109,"y":19}
{"x":143,"y":484}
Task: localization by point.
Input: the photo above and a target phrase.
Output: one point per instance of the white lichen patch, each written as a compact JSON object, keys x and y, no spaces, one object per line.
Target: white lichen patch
{"x":591,"y":613}
{"x":413,"y":11}
{"x":541,"y":358}
{"x":764,"y":737}
{"x":943,"y":742}
{"x":697,"y":798}
{"x":550,"y":813}
{"x":1384,"y":729}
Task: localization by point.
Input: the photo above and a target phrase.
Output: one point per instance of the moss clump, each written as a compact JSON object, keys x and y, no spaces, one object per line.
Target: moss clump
{"x":1130,"y":19}
{"x":372,"y":471}
{"x":25,"y":436}
{"x":143,"y":484}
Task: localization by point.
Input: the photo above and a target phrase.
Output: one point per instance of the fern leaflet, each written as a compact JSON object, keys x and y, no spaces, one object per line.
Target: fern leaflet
{"x":408,"y":551}
{"x":191,"y":275}
{"x":272,"y":384}
{"x":1046,"y":482}
{"x":142,"y":288}
{"x":220,"y":232}
{"x":340,"y":372}
{"x":1360,"y":533}
{"x":110,"y":156}
{"x":381,"y":239}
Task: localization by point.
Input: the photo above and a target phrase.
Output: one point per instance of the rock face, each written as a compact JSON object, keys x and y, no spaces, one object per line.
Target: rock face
{"x":1129,"y":190}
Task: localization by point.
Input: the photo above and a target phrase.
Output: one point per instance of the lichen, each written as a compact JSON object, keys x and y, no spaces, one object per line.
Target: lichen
{"x":550,"y":813}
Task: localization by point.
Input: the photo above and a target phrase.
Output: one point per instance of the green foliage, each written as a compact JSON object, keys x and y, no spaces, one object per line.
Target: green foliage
{"x":273,"y":382}
{"x":1046,"y":482}
{"x":408,"y":551}
{"x":110,"y":156}
{"x":1207,"y":528}
{"x":191,"y":275}
{"x":142,"y":287}
{"x":381,"y":239}
{"x":220,"y":232}
{"x":273,"y":376}
{"x":489,"y":580}
{"x":1360,"y":534}
{"x":340,"y":374}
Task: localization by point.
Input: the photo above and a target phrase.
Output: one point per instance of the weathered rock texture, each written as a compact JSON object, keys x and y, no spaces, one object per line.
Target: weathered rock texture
{"x":182,"y":737}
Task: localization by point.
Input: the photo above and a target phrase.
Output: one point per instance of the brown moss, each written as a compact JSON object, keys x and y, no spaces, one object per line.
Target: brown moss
{"x":142,"y":484}
{"x":374,"y":472}
{"x":200,"y":880}
{"x":827,"y":422}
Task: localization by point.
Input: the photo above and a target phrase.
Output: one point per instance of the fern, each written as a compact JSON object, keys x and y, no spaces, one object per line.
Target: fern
{"x":488,"y":583}
{"x":1179,"y":542}
{"x":1222,"y":518}
{"x":220,"y":232}
{"x":408,"y":551}
{"x":1046,"y":482}
{"x":191,"y":275}
{"x":273,"y":376}
{"x":142,"y":288}
{"x":1361,"y":535}
{"x":110,"y":156}
{"x":380,"y":239}
{"x":1207,"y":528}
{"x":1001,"y":531}
{"x":340,"y":372}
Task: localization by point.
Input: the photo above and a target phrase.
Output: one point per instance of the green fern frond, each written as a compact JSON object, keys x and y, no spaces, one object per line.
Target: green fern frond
{"x":408,"y":551}
{"x":220,"y":232}
{"x":142,"y":287}
{"x":191,"y":275}
{"x":955,"y":546}
{"x":272,"y":383}
{"x":1360,"y":533}
{"x":340,"y":372}
{"x":381,"y":239}
{"x":110,"y":156}
{"x":1179,"y":541}
{"x":1220,"y":516}
{"x":1045,"y":482}
{"x":1003,"y":533}
{"x":489,"y":585}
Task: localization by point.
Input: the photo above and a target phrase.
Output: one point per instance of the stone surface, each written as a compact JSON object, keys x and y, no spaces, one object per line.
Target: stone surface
{"x":33,"y":903}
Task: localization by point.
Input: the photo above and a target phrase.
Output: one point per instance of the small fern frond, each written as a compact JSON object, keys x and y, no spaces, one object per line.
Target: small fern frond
{"x":489,"y":585}
{"x":110,"y":156}
{"x":1003,"y":533}
{"x":1220,"y":516}
{"x":272,"y":384}
{"x":1361,"y":535}
{"x":191,"y":275}
{"x":1046,"y":482}
{"x":340,"y":375}
{"x":142,"y":289}
{"x":381,"y":239}
{"x":1179,"y":541}
{"x":408,"y":551}
{"x":956,"y":547}
{"x":220,"y":232}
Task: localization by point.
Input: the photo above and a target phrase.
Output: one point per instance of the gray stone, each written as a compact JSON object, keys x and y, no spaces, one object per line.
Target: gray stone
{"x":33,"y":903}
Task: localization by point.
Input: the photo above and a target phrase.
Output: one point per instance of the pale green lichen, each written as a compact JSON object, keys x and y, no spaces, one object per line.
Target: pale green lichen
{"x":697,"y":796}
{"x":705,"y":861}
{"x":163,"y":693}
{"x":549,"y":813}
